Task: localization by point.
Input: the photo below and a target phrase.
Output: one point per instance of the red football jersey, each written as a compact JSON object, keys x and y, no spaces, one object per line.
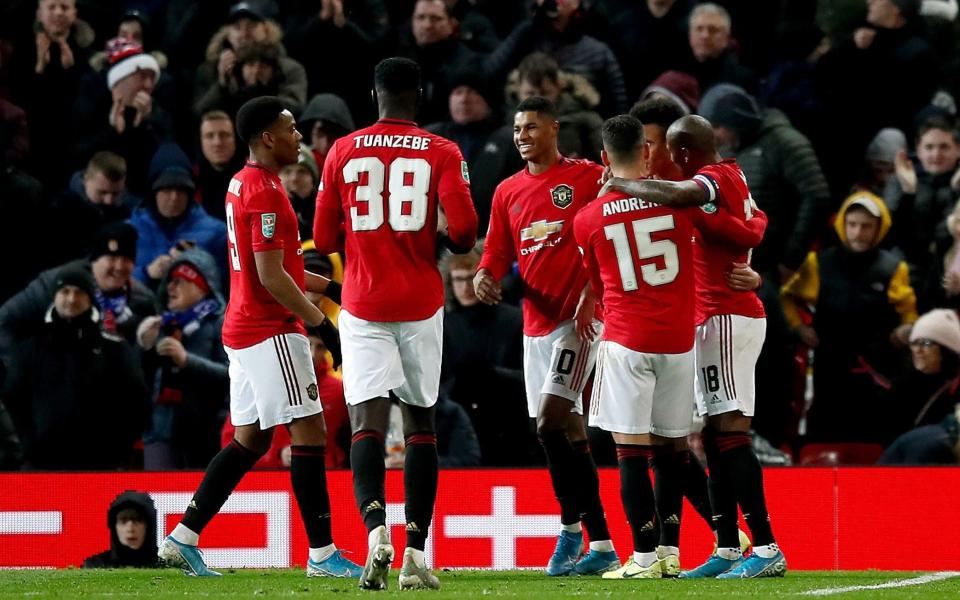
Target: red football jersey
{"x":715,"y":251}
{"x":380,"y":187}
{"x":531,"y":222}
{"x":640,"y":258}
{"x":259,"y":218}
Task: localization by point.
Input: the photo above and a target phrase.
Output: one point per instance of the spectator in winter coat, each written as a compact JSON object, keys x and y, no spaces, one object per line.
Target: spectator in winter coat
{"x":928,"y":392}
{"x":557,"y":29}
{"x":246,"y":25}
{"x":300,"y":181}
{"x":121,"y":301}
{"x":49,"y":61}
{"x":219,"y":161}
{"x":863,"y":306}
{"x":96,"y":196}
{"x":922,"y":196}
{"x":325,"y":120}
{"x":713,"y":58}
{"x":486,"y":144}
{"x":118,"y":112}
{"x":132,"y":521}
{"x":76,"y":394}
{"x":185,"y":364}
{"x":170,"y":221}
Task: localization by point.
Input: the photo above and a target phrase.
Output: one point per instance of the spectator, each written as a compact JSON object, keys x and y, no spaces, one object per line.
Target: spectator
{"x":927,"y":445}
{"x":557,"y":29}
{"x":863,"y":306}
{"x":318,"y":31}
{"x":575,"y":98}
{"x":76,"y":394}
{"x":184,"y":362}
{"x":486,"y":145}
{"x":889,"y":48}
{"x":219,"y":78}
{"x":132,"y":521}
{"x":482,"y":367}
{"x":457,"y":444}
{"x":121,"y":301}
{"x":21,"y":201}
{"x":787,"y":184}
{"x":134,"y":26}
{"x":921,"y":200}
{"x":878,"y":167}
{"x":49,"y":61}
{"x":440,"y":54}
{"x":257,"y":72}
{"x":929,"y":392}
{"x":679,"y":87}
{"x":11,"y":451}
{"x":170,"y":222}
{"x":653,"y":29}
{"x":712,"y":57}
{"x":219,"y":161}
{"x":325,"y":120}
{"x":119,"y":113}
{"x":96,"y":196}
{"x":300,"y":181}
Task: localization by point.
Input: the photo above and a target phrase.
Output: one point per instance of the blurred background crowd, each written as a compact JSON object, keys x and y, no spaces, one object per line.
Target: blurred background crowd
{"x":117,"y":144}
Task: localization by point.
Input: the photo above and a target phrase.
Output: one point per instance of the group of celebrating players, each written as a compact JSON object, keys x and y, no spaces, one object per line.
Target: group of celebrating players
{"x":637,"y":272}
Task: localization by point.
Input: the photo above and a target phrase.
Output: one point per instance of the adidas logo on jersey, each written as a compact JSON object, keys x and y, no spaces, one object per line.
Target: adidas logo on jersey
{"x":558,"y":379}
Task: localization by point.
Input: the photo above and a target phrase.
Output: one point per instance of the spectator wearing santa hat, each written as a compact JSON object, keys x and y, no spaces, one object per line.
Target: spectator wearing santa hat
{"x":116,"y":111}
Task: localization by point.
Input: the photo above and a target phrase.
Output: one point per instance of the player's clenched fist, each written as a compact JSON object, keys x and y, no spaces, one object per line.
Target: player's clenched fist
{"x":487,"y":288}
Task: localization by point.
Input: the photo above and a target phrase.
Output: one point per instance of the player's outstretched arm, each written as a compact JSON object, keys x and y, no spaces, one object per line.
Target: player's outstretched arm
{"x":665,"y":193}
{"x":456,"y":203}
{"x":283,"y":288}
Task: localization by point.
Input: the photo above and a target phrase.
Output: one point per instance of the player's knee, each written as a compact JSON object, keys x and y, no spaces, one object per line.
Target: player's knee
{"x":418,"y":420}
{"x":308,"y":431}
{"x":372,"y":415}
{"x":257,"y":442}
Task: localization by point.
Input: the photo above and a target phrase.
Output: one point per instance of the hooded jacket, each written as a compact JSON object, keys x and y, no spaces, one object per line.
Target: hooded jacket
{"x":190,"y":427}
{"x":784,"y":174}
{"x":860,"y":297}
{"x":122,"y":556}
{"x":332,"y":110}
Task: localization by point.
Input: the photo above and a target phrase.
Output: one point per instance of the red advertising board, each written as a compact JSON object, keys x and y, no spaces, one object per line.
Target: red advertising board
{"x":824,"y":518}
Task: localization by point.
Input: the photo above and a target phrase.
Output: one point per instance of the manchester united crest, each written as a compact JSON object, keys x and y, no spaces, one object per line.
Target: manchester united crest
{"x":562,"y":195}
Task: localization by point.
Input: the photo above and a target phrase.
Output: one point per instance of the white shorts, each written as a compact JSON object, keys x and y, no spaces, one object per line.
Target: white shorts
{"x":637,"y":392}
{"x":558,"y":363}
{"x":727,"y":349}
{"x":273,"y":382}
{"x":402,"y":357}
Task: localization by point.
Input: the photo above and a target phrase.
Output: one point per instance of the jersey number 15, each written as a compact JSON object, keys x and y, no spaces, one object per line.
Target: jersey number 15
{"x":406,"y":199}
{"x":646,"y":249}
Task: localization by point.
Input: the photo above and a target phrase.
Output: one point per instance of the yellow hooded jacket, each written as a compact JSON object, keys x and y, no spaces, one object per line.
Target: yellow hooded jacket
{"x":803,"y":289}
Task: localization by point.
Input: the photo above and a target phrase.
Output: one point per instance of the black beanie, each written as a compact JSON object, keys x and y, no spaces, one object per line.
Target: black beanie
{"x":77,"y":275}
{"x":908,"y":8}
{"x":116,"y":239}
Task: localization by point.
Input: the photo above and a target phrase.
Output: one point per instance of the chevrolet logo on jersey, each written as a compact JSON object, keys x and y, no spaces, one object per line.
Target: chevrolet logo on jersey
{"x":540,"y":230}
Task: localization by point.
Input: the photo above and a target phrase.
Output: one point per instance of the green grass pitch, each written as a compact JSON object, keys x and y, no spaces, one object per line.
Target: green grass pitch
{"x":283,"y":583}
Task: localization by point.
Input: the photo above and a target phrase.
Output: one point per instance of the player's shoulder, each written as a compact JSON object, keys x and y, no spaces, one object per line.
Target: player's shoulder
{"x":580,"y":165}
{"x":513,"y":182}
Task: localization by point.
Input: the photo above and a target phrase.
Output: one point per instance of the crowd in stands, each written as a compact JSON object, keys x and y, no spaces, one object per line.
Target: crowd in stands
{"x":117,"y":144}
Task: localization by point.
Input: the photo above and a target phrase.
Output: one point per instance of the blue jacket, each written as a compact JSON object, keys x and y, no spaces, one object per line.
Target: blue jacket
{"x":195,"y":225}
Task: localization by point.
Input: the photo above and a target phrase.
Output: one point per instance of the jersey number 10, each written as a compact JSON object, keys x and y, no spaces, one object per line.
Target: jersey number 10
{"x":406,"y":199}
{"x":646,"y":249}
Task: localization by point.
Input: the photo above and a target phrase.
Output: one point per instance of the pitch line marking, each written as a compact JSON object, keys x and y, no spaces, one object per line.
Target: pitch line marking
{"x":940,"y":576}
